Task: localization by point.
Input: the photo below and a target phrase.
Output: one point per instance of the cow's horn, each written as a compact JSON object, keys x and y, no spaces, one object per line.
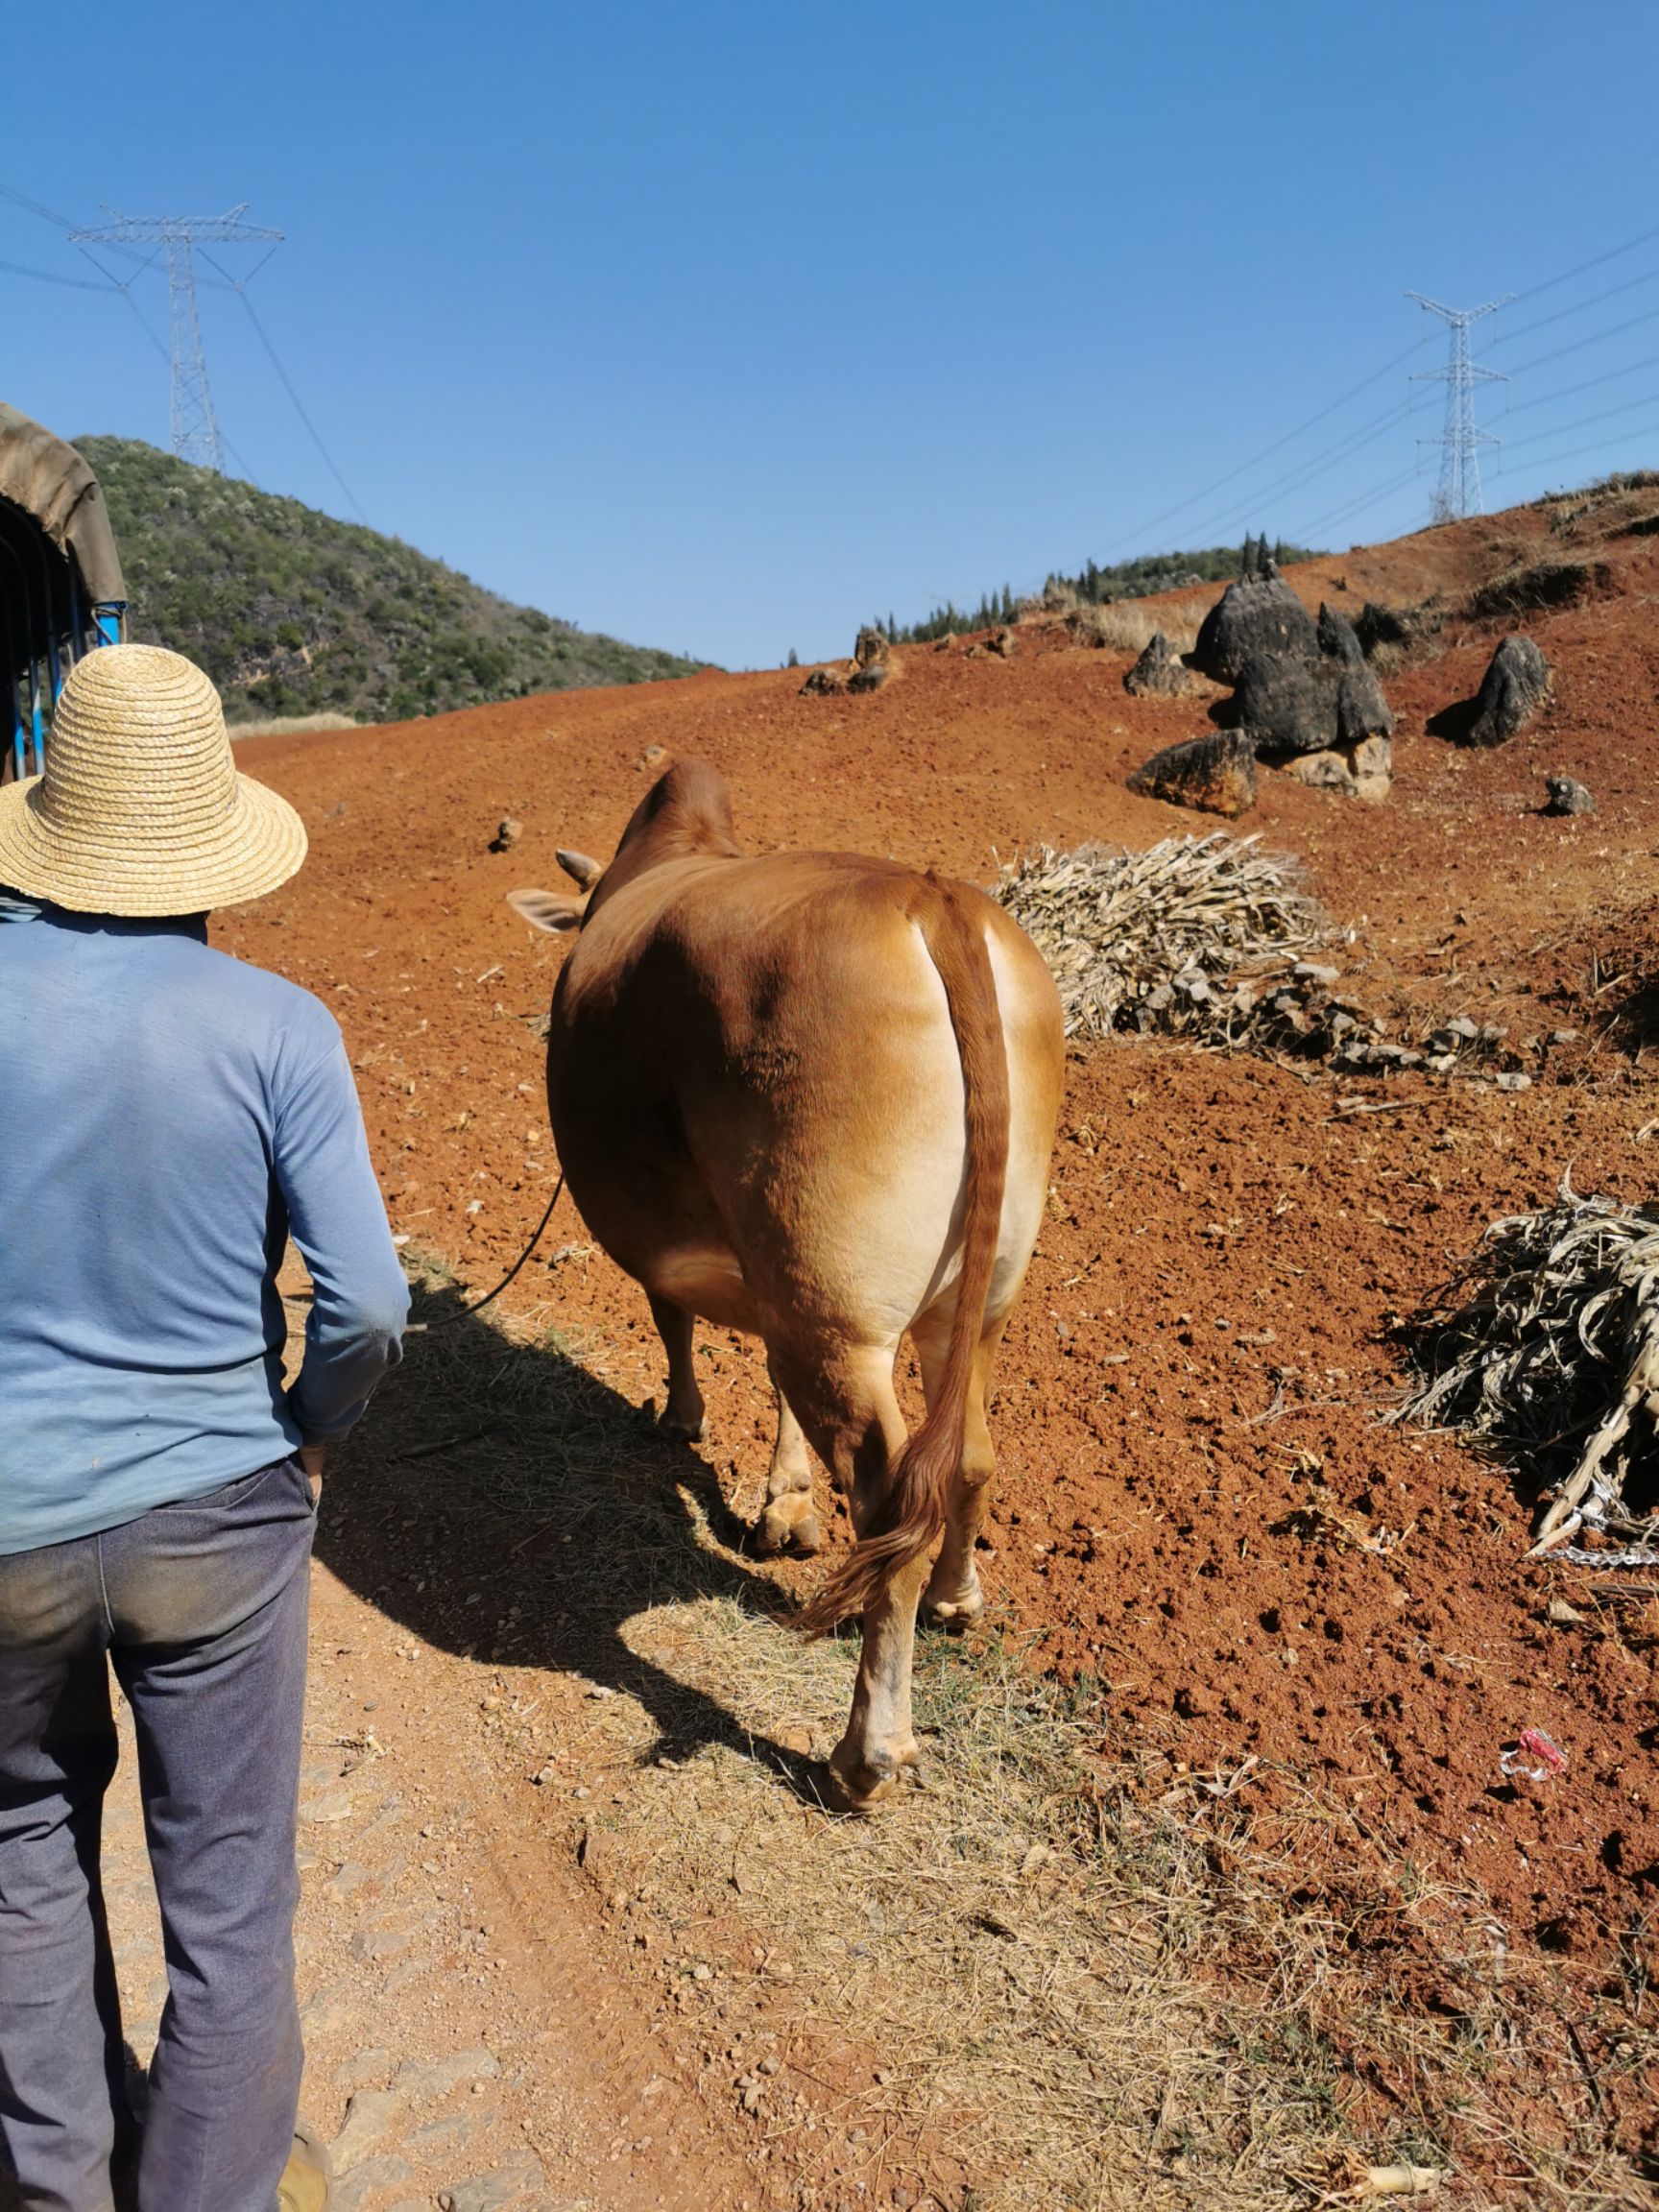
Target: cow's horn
{"x":580,"y":869}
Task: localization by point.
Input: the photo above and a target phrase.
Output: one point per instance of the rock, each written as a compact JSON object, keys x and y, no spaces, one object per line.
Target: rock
{"x":1513,"y":688}
{"x":1000,"y":644}
{"x":870,"y":678}
{"x":1159,"y":673}
{"x":1568,"y":796}
{"x":509,"y":2185}
{"x":506,"y":836}
{"x":331,"y":2007}
{"x":1515,"y":1081}
{"x":424,"y":2082}
{"x":1336,"y":637}
{"x":350,"y":2192}
{"x":1376,"y":624}
{"x":441,"y":2140}
{"x":1215,"y":772}
{"x":1256,"y":615}
{"x":1295,"y":705}
{"x":824,"y":684}
{"x":370,"y":2118}
{"x":362,"y":2068}
{"x":1363,"y":771}
{"x":871,"y":649}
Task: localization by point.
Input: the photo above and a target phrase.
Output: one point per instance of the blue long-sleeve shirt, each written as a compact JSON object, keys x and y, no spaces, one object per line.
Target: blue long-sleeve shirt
{"x":167,"y":1117}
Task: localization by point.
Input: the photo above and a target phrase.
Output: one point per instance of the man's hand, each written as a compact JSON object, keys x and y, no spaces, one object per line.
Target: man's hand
{"x":311,"y":1458}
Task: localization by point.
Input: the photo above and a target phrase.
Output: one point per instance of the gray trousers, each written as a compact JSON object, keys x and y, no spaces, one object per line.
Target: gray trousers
{"x":201,"y":1609}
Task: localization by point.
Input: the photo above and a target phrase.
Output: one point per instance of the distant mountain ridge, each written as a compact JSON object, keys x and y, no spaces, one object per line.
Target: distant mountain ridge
{"x":293,"y":613}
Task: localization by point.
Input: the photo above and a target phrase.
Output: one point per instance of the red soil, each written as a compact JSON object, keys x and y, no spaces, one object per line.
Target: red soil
{"x":1193,"y":1476}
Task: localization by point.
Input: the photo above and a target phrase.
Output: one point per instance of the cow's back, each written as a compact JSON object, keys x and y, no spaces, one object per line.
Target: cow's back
{"x":756,"y":1087}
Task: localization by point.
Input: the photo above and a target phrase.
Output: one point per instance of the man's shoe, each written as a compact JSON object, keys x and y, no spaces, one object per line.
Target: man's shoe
{"x":304,"y":2186}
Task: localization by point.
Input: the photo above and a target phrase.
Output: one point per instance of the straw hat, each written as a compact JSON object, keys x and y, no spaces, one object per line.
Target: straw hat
{"x":141,"y":811}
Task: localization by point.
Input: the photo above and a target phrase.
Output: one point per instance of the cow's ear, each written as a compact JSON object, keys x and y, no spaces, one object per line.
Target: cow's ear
{"x":549,"y":910}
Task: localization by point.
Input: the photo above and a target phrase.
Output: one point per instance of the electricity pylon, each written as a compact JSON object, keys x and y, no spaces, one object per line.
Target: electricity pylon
{"x":1458,"y":492}
{"x":195,"y":428}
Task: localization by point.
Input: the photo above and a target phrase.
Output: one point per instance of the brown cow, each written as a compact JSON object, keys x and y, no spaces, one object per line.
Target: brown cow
{"x":813,"y":1097}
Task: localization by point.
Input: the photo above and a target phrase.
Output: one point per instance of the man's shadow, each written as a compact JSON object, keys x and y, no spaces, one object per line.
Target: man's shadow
{"x":501,"y":1502}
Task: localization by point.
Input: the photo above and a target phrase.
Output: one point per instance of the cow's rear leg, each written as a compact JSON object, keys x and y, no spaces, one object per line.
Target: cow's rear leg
{"x":953,"y":1596}
{"x":790,"y":1520}
{"x":682,"y":1413}
{"x":854,"y":1420}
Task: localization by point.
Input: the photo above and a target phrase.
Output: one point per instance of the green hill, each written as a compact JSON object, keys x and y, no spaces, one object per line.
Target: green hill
{"x":293,"y":613}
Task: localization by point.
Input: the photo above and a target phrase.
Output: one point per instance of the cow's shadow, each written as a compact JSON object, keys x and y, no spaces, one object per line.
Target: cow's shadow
{"x":501,"y":1502}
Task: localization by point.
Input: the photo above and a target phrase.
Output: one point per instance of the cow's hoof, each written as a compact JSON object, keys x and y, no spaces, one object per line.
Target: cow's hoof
{"x":858,"y":1784}
{"x":956,"y":1613}
{"x":789,"y":1524}
{"x":679,"y":1431}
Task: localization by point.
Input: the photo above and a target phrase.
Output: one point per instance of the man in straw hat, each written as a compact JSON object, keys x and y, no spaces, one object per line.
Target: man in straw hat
{"x":167,"y":1118}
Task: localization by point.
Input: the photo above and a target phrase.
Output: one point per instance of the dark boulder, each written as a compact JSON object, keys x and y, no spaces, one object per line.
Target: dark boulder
{"x":1336,"y":638}
{"x":824,"y":684}
{"x":1376,"y":625}
{"x":1513,"y":688}
{"x":870,"y":678}
{"x":1160,"y":673}
{"x":1296,"y":705}
{"x":1215,"y":772}
{"x":1256,"y":615}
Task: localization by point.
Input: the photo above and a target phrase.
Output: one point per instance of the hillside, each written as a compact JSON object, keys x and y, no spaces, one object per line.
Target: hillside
{"x":1274,"y":1613}
{"x":293,"y":613}
{"x":1095,"y":585}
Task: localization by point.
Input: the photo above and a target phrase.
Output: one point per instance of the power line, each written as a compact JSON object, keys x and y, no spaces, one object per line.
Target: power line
{"x":1578,"y":346}
{"x":1580,"y":307}
{"x":1596,"y":261}
{"x":299,"y":407}
{"x":1590,"y":383}
{"x":1310,"y":470}
{"x":1267,"y":451}
{"x":1596,"y":446}
{"x":46,"y":277}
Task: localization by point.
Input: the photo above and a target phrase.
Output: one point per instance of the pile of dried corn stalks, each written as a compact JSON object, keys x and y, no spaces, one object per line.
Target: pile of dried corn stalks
{"x":1547,"y":1342}
{"x":1195,"y":936}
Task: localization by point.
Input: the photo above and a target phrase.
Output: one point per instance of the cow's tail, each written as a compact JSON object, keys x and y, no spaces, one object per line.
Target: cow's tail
{"x":912,"y":1513}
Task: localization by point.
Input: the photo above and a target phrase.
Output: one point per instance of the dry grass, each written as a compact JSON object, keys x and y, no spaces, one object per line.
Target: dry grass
{"x":1546,"y":1343}
{"x":1184,"y":937}
{"x":1101,"y":1980}
{"x":291,"y":724}
{"x":1129,"y":625}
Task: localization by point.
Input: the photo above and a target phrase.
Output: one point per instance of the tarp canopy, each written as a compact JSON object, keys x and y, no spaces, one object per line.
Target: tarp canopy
{"x":49,"y":480}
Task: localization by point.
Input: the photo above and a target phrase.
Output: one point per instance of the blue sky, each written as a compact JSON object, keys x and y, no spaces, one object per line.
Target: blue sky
{"x":725,"y":327}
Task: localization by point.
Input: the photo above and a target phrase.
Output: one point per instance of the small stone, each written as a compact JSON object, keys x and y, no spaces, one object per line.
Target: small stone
{"x":349,"y":1877}
{"x":1315,"y":971}
{"x":1514,"y":1082}
{"x":330,"y":2009}
{"x":1564,"y":1615}
{"x":371,"y":1943}
{"x":1461,"y":1027}
{"x":350,"y":2192}
{"x":424,"y":2080}
{"x":1568,"y":796}
{"x":331,"y":1806}
{"x":509,"y":2185}
{"x":445,"y":2139}
{"x":506,"y":836}
{"x":370,"y":2117}
{"x":1561,"y":1037}
{"x":363,"y":2069}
